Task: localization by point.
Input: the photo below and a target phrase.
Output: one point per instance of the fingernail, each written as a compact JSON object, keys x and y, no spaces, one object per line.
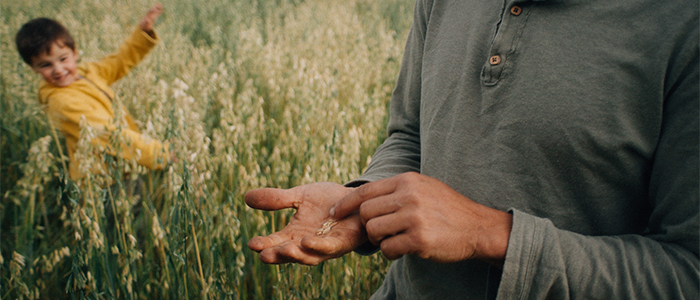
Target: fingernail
{"x":332,"y":211}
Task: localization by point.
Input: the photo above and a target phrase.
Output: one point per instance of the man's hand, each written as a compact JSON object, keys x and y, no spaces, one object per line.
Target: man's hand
{"x":150,"y":18}
{"x":416,"y":214}
{"x":299,"y":241}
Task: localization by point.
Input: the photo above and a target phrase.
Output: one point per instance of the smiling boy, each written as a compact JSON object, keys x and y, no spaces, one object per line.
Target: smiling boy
{"x":57,"y":64}
{"x":71,"y":91}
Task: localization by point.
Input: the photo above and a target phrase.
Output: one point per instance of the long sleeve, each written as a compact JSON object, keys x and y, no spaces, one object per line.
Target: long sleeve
{"x":660,"y":263}
{"x":114,"y":66}
{"x":400,"y":152}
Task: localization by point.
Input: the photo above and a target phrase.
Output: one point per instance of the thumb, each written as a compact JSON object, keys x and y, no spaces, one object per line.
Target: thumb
{"x":271,"y":199}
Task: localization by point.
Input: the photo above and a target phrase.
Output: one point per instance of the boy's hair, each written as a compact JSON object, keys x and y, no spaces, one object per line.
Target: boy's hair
{"x":38,"y":35}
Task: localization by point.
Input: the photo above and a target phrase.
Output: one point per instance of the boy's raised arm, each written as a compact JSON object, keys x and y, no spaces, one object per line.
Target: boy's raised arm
{"x":114,"y":66}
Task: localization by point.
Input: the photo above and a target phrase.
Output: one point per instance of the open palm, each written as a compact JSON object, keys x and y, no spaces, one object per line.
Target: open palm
{"x":298,"y":241}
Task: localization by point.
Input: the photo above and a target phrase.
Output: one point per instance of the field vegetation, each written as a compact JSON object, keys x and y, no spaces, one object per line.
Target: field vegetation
{"x":250,"y":93}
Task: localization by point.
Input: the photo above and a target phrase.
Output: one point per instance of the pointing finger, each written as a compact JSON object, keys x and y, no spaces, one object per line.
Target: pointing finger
{"x":367,"y":191}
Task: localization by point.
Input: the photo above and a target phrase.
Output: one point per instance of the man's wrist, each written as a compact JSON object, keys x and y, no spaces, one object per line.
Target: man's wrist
{"x":494,"y":242}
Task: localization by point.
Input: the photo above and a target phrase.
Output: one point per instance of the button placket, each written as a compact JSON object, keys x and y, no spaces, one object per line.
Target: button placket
{"x":504,"y":43}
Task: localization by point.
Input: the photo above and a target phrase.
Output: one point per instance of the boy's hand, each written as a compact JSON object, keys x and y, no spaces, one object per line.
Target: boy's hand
{"x":150,"y":18}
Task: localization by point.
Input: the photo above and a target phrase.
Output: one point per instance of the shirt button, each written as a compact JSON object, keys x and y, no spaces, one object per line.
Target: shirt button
{"x":494,"y":60}
{"x":516,"y":10}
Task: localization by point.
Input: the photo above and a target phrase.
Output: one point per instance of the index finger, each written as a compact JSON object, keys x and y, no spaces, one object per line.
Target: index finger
{"x":352,"y":201}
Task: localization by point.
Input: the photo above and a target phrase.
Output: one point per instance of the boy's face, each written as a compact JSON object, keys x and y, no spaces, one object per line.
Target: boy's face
{"x":59,"y":67}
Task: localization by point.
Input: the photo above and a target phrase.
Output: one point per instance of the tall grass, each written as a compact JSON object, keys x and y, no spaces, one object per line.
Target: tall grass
{"x":267,"y":93}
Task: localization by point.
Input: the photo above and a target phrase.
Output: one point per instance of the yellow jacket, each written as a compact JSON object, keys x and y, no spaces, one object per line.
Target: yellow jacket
{"x":91,"y":96}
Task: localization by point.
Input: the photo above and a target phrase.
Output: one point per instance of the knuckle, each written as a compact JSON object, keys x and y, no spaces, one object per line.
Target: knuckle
{"x":406,"y":177}
{"x":412,"y":199}
{"x":364,"y":190}
{"x":415,"y":217}
{"x":411,"y":176}
{"x":420,"y":240}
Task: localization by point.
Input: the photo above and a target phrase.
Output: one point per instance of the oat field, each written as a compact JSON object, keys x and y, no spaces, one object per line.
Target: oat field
{"x":250,"y":93}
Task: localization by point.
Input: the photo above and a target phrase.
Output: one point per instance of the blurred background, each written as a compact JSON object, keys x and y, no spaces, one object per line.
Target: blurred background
{"x":250,"y":94}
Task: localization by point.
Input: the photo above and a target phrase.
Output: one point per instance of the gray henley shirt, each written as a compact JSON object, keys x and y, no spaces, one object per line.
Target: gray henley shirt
{"x":580,"y":117}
